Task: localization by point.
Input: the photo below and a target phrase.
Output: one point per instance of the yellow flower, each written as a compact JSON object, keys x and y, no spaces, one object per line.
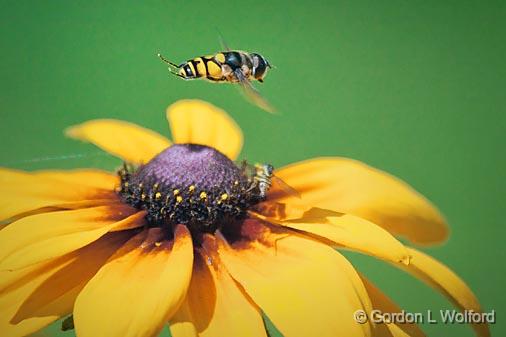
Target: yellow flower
{"x":182,"y":235}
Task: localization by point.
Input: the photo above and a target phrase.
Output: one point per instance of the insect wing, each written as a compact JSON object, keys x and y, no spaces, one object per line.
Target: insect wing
{"x":279,"y":184}
{"x":252,"y":93}
{"x":223,"y":43}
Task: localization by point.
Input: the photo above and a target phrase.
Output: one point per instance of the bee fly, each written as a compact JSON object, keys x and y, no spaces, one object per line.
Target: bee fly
{"x":231,"y":66}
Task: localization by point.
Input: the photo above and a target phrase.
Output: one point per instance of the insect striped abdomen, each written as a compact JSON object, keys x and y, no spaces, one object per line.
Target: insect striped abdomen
{"x":213,"y":68}
{"x":200,"y":66}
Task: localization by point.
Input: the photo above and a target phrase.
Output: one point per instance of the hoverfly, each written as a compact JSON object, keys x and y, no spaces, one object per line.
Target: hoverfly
{"x":263,"y":178}
{"x":230,"y":66}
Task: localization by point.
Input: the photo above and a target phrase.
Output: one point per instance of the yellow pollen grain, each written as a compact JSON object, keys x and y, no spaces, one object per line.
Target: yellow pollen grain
{"x":191,"y":188}
{"x":179,"y":199}
{"x":158,"y":244}
{"x":158,"y":195}
{"x":126,"y":184}
{"x":143,"y":196}
{"x":236,"y":182}
{"x":155,"y":186}
{"x":224,"y":196}
{"x":176,"y":192}
{"x":203,"y":195}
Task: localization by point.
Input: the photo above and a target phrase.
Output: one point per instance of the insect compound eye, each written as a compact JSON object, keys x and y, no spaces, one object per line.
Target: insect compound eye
{"x":233,"y":59}
{"x":259,"y":66}
{"x":269,"y":169}
{"x":188,"y":71}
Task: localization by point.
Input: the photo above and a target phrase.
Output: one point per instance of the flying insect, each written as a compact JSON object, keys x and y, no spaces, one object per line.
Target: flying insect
{"x":231,"y":66}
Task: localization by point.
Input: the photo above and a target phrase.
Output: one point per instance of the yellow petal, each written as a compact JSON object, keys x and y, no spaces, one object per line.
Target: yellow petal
{"x":214,"y":305}
{"x":11,"y":302}
{"x":303,"y":286}
{"x":25,"y":192}
{"x":352,"y":187}
{"x":350,"y":232}
{"x":199,"y":122}
{"x":127,"y":141}
{"x":139,"y":289}
{"x":182,"y":323}
{"x":43,"y":236}
{"x":42,"y":293}
{"x":384,"y":304}
{"x":440,"y":277}
{"x":86,"y":177}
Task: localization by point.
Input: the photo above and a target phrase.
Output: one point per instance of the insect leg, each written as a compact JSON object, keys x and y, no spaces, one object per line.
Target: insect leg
{"x":167,"y":61}
{"x":173,"y":68}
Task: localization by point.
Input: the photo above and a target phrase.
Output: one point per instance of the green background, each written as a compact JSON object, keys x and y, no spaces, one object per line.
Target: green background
{"x":412,"y":87}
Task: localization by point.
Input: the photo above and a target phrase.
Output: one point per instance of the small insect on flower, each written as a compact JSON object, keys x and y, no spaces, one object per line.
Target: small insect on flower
{"x":230,"y":66}
{"x":262,"y":178}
